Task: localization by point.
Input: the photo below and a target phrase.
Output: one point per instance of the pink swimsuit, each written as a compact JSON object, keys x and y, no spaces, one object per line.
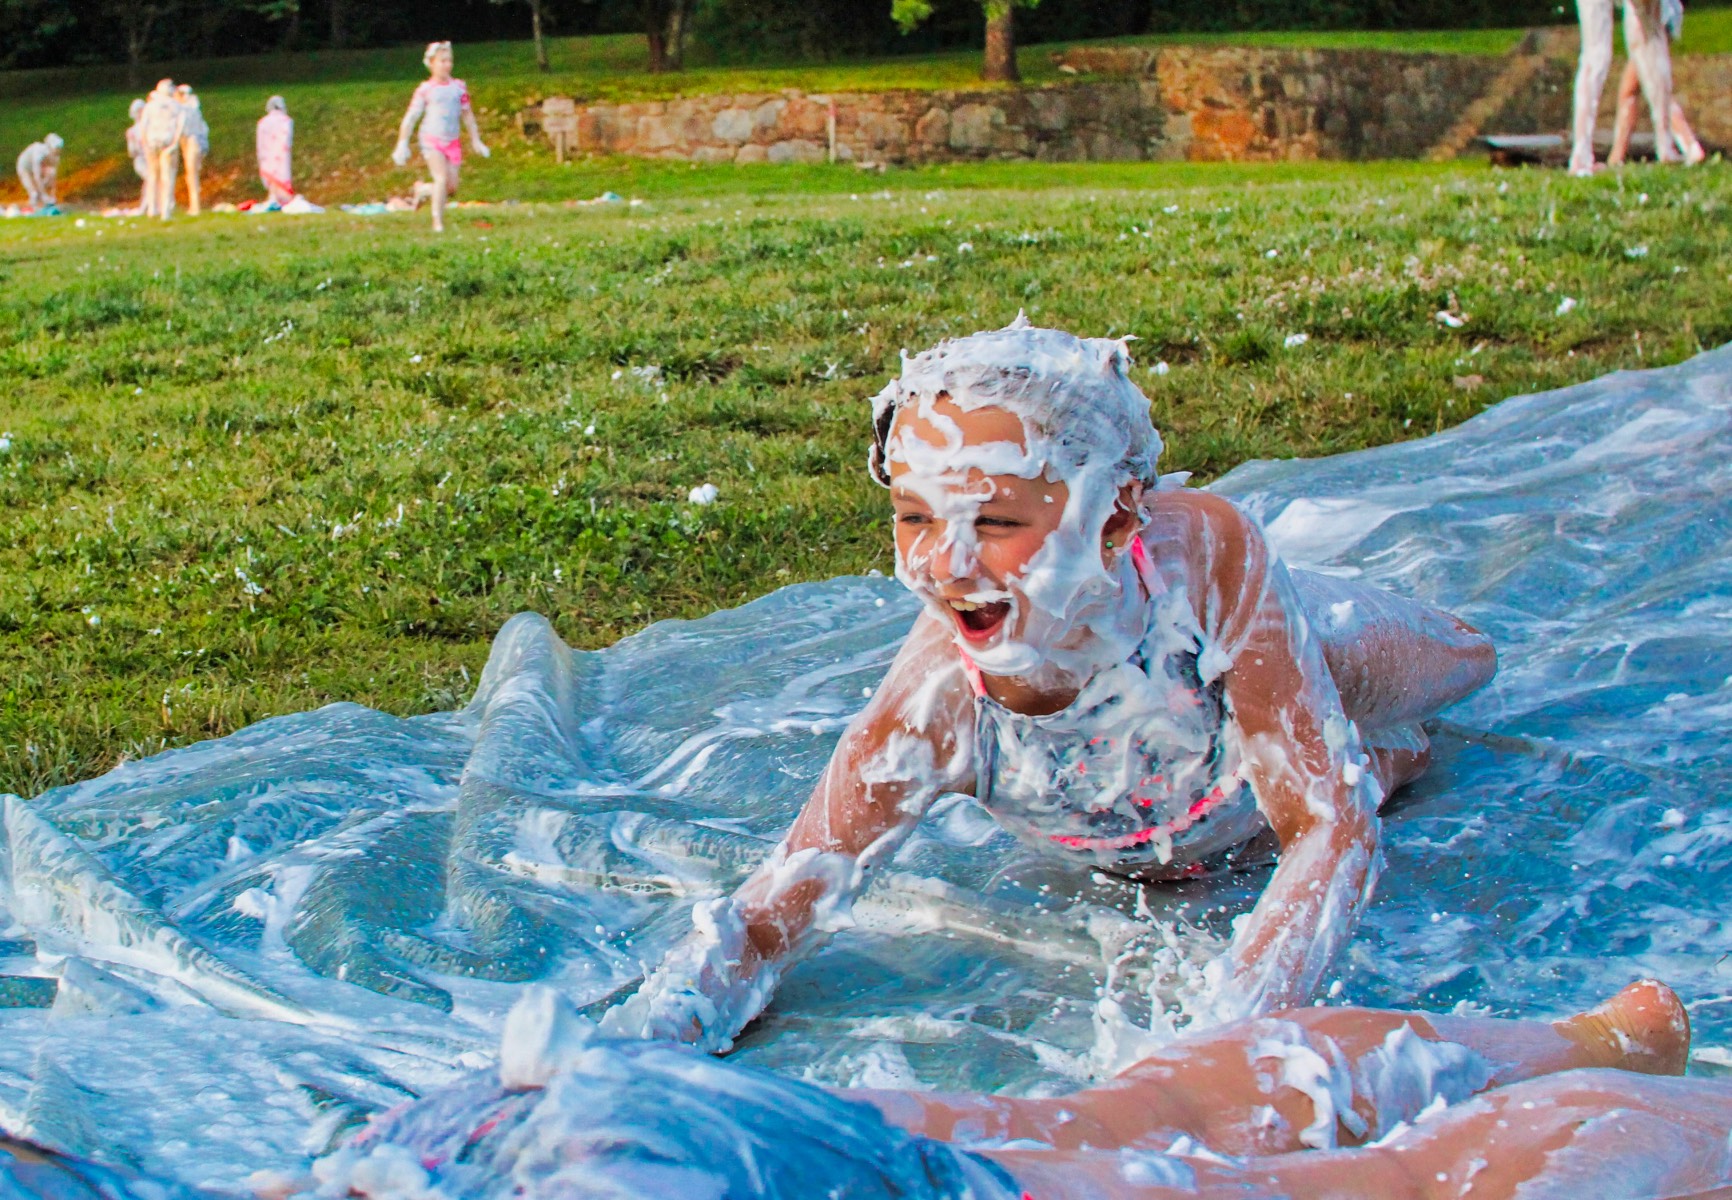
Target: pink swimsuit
{"x":440,"y":108}
{"x":1136,"y":770}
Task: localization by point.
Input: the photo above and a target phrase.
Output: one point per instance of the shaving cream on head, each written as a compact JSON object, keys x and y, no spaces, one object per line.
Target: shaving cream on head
{"x":1085,"y":425}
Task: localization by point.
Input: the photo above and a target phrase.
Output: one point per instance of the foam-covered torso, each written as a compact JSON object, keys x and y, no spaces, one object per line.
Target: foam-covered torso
{"x":1141,"y":769}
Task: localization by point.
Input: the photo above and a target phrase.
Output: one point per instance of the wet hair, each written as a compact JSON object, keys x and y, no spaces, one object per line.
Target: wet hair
{"x":635,"y":1120}
{"x":434,"y":48}
{"x":1074,"y":393}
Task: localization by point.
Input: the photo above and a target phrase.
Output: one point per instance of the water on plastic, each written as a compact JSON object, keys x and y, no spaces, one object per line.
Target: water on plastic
{"x":224,"y":958}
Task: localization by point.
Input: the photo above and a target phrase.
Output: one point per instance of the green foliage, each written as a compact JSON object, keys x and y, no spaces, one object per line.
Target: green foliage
{"x":909,"y":13}
{"x":253,"y":465}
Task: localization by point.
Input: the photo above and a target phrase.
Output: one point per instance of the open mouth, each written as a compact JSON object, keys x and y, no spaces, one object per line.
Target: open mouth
{"x":979,"y":622}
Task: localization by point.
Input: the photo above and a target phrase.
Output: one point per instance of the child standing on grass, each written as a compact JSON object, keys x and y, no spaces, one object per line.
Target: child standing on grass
{"x":160,"y":126}
{"x":1118,"y":668}
{"x":275,"y":144}
{"x":37,"y":168}
{"x":140,"y":160}
{"x":194,"y":142}
{"x":442,"y":107}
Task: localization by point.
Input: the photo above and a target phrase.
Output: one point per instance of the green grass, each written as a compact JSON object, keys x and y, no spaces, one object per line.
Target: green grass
{"x":347,"y":104}
{"x":258,"y":464}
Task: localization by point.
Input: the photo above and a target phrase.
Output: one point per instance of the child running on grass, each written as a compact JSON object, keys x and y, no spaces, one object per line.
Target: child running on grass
{"x":441,"y":105}
{"x":1118,"y":668}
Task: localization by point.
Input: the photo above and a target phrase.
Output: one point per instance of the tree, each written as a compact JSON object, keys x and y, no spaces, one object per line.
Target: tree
{"x":536,"y":11}
{"x":136,"y":20}
{"x":665,"y":24}
{"x":29,"y":27}
{"x":999,"y":65}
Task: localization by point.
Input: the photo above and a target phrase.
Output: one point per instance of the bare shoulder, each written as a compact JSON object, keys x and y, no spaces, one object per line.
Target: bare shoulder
{"x":1203,"y":530}
{"x":929,"y":659}
{"x":1217,"y":549}
{"x":926,"y":691}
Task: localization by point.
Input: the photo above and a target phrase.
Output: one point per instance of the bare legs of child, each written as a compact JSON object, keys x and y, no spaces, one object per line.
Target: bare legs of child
{"x":1264,"y":1090}
{"x":443,"y":186}
{"x":193,"y":156}
{"x":1629,"y":84}
{"x":1396,"y":662}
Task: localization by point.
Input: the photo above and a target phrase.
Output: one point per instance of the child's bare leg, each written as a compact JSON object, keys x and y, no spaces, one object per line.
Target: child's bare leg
{"x":1229,"y":1088}
{"x":1595,"y":18}
{"x":1686,"y":136}
{"x":168,"y":161}
{"x":1395,"y":661}
{"x":1646,"y":43}
{"x":190,"y":153}
{"x":1625,"y":123}
{"x":439,"y":165}
{"x":1605,"y":1134}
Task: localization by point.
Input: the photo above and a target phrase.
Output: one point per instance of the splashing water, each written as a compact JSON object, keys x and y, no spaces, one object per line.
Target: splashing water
{"x":224,"y":958}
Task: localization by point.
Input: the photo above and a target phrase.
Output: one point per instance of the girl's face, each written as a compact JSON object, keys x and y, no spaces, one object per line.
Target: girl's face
{"x":441,"y":65}
{"x":965,"y":536}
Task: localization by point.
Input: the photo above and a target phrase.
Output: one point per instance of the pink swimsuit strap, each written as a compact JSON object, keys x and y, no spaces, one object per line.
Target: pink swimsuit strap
{"x":1145,"y":572}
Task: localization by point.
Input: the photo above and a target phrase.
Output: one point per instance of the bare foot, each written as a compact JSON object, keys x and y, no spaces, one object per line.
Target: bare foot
{"x":1643,"y":1028}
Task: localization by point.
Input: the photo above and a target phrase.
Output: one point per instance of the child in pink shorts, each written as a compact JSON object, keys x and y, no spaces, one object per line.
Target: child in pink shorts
{"x":441,"y":105}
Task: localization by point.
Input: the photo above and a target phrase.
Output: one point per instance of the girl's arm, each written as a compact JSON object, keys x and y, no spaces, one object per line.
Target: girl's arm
{"x":911,"y":744}
{"x":1304,"y":762}
{"x":417,"y":106}
{"x":474,"y":130}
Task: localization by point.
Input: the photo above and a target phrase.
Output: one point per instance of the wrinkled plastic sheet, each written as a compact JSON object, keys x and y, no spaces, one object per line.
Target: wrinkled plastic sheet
{"x":221,"y":958}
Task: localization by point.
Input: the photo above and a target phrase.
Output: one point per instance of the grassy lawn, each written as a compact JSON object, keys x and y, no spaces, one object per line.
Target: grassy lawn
{"x":346,"y":104}
{"x":252,"y":465}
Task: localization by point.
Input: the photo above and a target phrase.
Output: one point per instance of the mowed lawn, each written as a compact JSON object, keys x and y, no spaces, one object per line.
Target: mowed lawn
{"x":347,"y":104}
{"x":254,"y":465}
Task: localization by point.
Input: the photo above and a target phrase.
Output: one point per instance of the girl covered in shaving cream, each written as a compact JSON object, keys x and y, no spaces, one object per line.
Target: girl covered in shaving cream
{"x":1120,"y":669}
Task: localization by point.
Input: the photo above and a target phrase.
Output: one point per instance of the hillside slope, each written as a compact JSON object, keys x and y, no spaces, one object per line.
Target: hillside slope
{"x":346,"y":103}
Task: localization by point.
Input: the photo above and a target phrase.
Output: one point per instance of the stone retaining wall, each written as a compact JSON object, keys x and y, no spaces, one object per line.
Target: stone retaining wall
{"x":1173,"y":103}
{"x":1130,"y":103}
{"x":1106,"y":121}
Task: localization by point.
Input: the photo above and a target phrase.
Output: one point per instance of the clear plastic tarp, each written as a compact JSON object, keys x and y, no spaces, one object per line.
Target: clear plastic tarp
{"x":221,"y":958}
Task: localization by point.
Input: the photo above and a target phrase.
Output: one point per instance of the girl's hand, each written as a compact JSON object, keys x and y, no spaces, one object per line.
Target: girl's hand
{"x":482,"y":150}
{"x":400,"y":155}
{"x":707,"y":988}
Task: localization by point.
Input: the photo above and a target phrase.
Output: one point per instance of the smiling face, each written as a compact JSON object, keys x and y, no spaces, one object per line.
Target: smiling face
{"x":441,"y":64}
{"x":1021,"y":564}
{"x":965,"y":537}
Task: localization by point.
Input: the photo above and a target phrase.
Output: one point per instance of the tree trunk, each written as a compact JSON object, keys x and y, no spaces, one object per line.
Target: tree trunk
{"x":140,"y":18}
{"x":676,"y":39}
{"x":1000,"y":64}
{"x":657,"y":33}
{"x":291,"y":29}
{"x":540,"y":42}
{"x":339,"y":24}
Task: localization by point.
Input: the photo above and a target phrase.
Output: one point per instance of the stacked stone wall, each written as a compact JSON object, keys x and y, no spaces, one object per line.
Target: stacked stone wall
{"x":1133,"y":103}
